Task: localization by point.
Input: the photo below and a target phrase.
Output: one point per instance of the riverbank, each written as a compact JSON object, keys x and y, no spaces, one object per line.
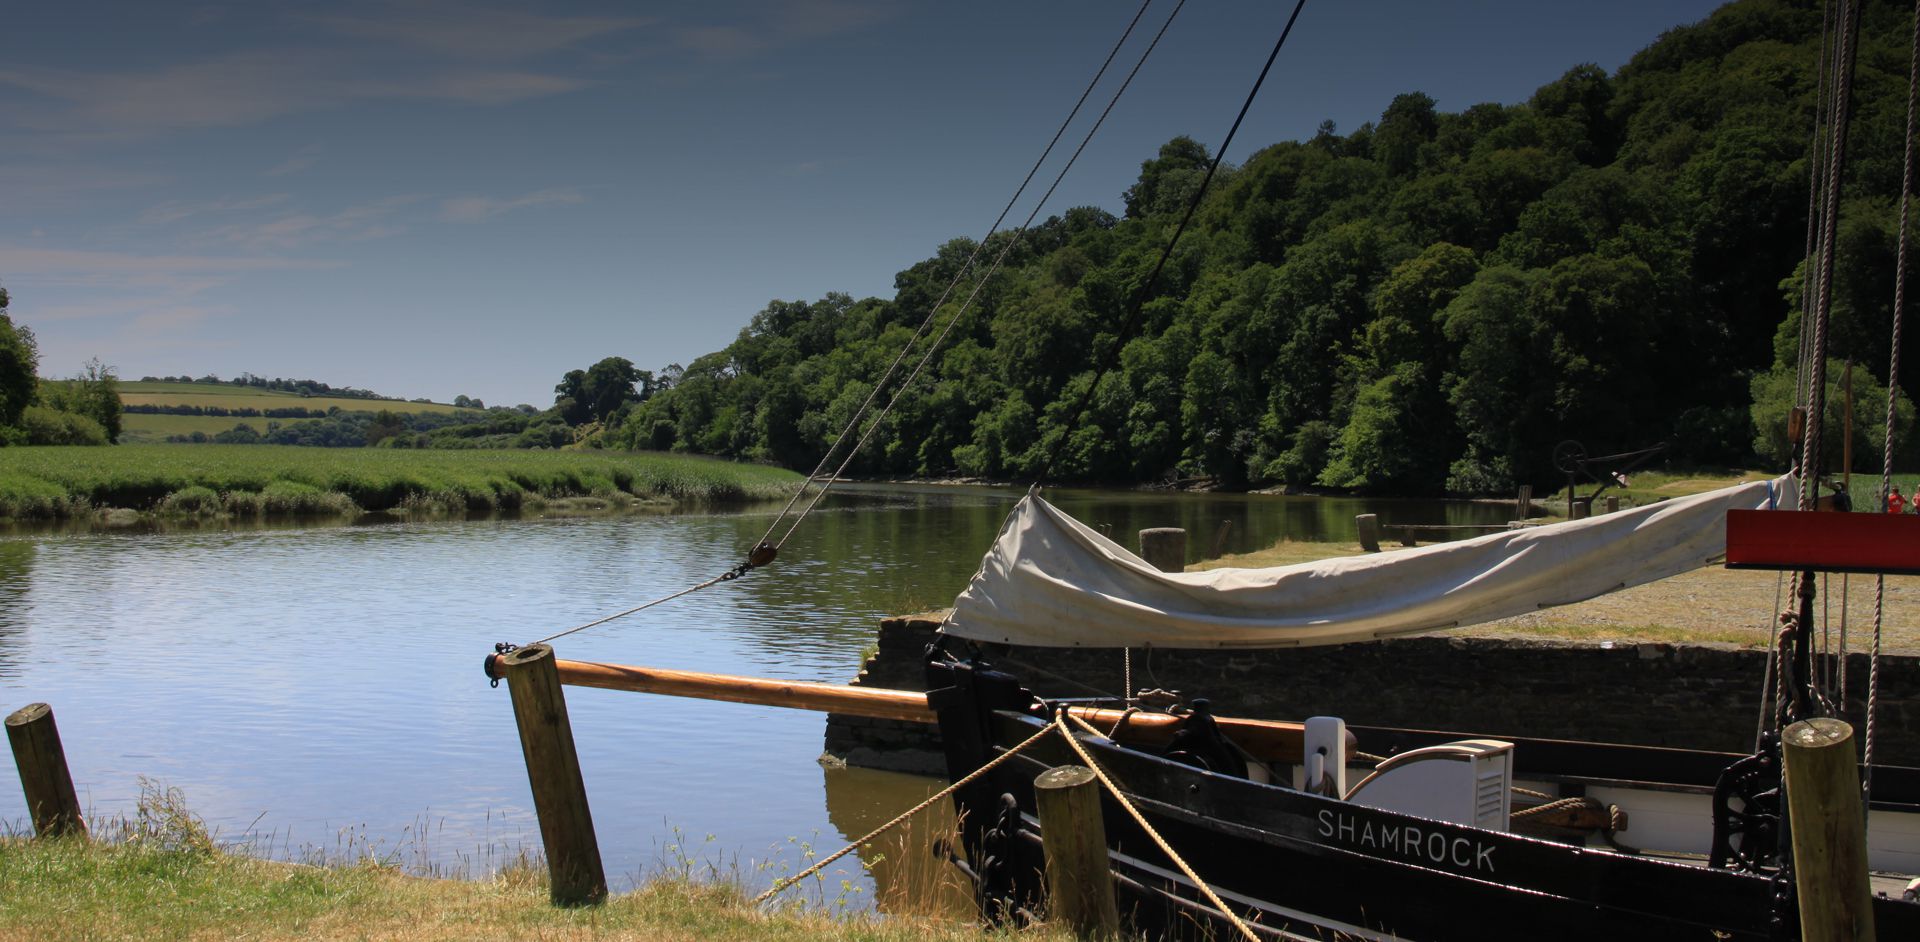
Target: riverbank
{"x":51,"y":891}
{"x":279,"y":481}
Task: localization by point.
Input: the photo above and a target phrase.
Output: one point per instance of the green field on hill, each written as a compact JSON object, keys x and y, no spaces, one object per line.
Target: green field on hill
{"x":247,"y":397}
{"x":48,"y":482}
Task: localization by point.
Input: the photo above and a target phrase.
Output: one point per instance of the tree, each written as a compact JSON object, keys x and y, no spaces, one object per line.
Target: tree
{"x":19,"y":367}
{"x":595,"y":393}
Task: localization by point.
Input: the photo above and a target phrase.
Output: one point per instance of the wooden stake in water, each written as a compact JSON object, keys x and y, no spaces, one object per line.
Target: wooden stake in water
{"x":43,"y":772}
{"x":553,"y":770}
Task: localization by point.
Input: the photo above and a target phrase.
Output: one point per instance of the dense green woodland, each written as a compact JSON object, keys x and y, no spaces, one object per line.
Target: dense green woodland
{"x":1429,"y":302}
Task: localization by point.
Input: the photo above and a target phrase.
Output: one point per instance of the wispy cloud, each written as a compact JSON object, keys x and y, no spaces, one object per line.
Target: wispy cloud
{"x":780,"y":24}
{"x":468,"y":31}
{"x":371,"y":220}
{"x":471,"y":209}
{"x":248,"y":87}
{"x":174,"y":211}
{"x":305,"y":158}
{"x":124,"y":286}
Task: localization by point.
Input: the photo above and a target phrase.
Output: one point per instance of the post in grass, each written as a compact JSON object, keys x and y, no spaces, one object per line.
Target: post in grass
{"x":44,"y":778}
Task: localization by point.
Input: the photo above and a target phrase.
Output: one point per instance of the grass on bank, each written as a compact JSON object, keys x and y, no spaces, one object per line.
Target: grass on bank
{"x":159,"y":875}
{"x":1711,"y":605}
{"x":267,"y":479}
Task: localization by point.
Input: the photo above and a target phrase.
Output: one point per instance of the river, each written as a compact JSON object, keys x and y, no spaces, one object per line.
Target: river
{"x":316,"y":690}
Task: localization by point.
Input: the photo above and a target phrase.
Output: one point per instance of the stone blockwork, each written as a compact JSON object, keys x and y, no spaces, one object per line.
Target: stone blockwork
{"x":1702,"y":697}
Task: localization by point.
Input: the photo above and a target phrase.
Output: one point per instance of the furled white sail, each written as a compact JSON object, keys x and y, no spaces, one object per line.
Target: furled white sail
{"x":1051,"y":581}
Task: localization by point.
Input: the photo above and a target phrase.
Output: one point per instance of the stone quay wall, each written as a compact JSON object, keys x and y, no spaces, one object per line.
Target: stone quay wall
{"x":1693,"y":696}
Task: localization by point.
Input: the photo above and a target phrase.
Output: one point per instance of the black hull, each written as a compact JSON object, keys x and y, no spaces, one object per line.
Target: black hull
{"x":1300,"y":862}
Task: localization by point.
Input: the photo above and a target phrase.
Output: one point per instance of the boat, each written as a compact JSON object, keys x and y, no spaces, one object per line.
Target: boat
{"x":1379,"y":833}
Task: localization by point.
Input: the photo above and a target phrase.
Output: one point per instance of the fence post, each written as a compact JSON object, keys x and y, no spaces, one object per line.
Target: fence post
{"x":1165,"y":548}
{"x":51,"y":801}
{"x":1523,"y":505}
{"x":1829,"y":831}
{"x":1079,"y":875}
{"x":553,"y":770}
{"x":1369,"y":526}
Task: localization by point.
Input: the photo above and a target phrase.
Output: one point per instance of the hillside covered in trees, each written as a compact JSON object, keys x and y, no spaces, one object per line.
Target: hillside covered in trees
{"x":1427,"y":303}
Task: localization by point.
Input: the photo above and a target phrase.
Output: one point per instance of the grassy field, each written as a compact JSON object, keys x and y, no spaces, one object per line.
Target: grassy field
{"x":159,"y":875}
{"x":246,"y":397}
{"x":256,"y":479}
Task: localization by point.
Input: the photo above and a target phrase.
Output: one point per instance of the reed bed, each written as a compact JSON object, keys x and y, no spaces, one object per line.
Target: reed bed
{"x":48,"y":483}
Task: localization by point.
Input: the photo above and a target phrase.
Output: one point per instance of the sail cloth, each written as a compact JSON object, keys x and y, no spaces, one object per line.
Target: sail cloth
{"x":1052,"y":581}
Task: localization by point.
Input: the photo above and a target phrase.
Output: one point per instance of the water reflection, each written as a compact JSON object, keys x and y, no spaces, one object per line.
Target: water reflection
{"x":907,"y":875}
{"x":16,"y":570}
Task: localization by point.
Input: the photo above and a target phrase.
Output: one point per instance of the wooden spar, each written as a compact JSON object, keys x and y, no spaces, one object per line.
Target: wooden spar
{"x":1267,"y":740}
{"x":796,"y":694}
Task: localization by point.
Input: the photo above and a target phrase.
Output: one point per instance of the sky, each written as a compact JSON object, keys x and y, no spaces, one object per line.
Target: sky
{"x":431,"y":198}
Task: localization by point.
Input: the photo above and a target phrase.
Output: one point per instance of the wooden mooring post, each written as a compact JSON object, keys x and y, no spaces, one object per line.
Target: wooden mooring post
{"x":553,"y":770}
{"x":43,"y":772}
{"x":1369,"y":526}
{"x":1079,"y":875}
{"x":1523,"y":504}
{"x":1829,"y":831}
{"x":1165,"y":548}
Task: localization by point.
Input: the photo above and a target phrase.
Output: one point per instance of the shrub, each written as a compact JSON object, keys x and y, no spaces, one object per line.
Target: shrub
{"x":44,"y":426}
{"x":191,"y":501}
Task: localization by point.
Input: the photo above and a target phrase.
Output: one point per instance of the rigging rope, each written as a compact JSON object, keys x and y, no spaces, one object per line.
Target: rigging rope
{"x":934,"y":309}
{"x":1146,"y":287}
{"x":1816,"y":185}
{"x":1829,"y":232}
{"x":1012,"y":242}
{"x":764,"y":552}
{"x":1893,"y":383}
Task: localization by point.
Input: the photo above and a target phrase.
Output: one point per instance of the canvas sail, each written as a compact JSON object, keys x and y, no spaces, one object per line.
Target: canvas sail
{"x":1052,"y":581}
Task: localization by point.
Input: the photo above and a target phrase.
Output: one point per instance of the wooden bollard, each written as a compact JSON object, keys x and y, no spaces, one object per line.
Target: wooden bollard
{"x":1369,"y":526}
{"x":43,"y":772}
{"x":1829,"y":831}
{"x":1165,"y":548}
{"x":553,"y":769}
{"x":1613,"y":505}
{"x":1079,"y":876}
{"x":1523,"y":505}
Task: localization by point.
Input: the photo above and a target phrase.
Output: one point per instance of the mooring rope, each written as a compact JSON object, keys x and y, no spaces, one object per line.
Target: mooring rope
{"x":1060,"y":723}
{"x":899,"y":819}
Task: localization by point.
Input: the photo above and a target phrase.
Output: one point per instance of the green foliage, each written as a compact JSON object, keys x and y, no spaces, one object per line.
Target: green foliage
{"x":41,"y":425}
{"x":19,"y":365}
{"x":1773,"y":398}
{"x":93,"y":393}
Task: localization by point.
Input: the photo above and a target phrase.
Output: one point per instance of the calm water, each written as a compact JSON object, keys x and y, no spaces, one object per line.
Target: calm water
{"x":319,"y":688}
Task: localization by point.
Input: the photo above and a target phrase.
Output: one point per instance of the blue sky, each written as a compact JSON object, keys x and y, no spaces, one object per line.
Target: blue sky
{"x":441,"y":197}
